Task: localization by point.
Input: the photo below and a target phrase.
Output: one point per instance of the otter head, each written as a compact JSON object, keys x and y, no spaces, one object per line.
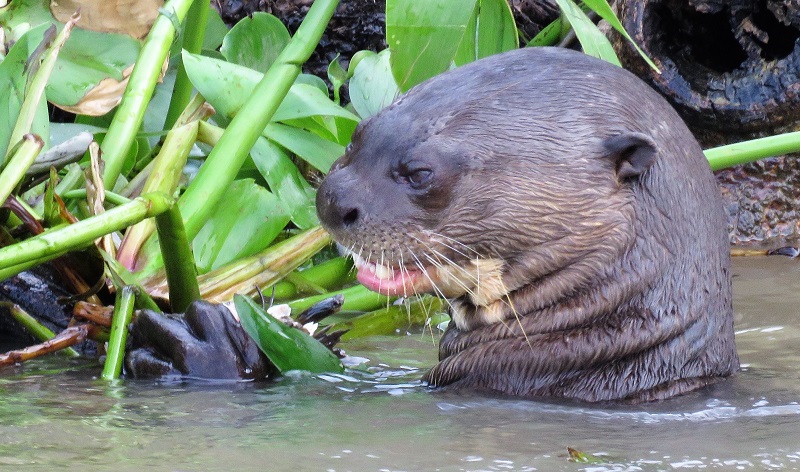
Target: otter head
{"x":464,"y":193}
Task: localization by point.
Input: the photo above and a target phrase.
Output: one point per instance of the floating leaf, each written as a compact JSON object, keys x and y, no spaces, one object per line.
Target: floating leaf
{"x":286,"y":347}
{"x":592,"y":40}
{"x":246,"y":221}
{"x":424,"y":36}
{"x":255,"y":41}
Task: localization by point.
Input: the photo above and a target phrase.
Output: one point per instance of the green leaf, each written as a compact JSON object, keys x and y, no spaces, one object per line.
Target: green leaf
{"x":317,"y":151}
{"x":245,"y":222}
{"x":255,"y":41}
{"x":592,"y":40}
{"x":228,"y":86}
{"x":286,"y":182}
{"x":288,"y":348}
{"x":602,"y":8}
{"x":424,"y":36}
{"x":549,"y":35}
{"x":215,"y":31}
{"x":372,"y":87}
{"x":491,"y":30}
{"x":77,"y":72}
{"x":338,"y":76}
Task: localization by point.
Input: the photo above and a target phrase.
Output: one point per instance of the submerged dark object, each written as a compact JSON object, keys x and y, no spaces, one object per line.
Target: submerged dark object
{"x":729,"y":66}
{"x":207,"y":342}
{"x":567,"y":212}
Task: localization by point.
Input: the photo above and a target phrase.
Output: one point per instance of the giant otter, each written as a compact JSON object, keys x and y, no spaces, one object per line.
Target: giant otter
{"x":567,"y":213}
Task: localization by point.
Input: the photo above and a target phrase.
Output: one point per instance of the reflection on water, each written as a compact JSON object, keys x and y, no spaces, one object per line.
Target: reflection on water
{"x":379,"y":417}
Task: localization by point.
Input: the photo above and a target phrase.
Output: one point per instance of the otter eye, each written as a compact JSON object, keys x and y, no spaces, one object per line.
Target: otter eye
{"x":419,"y":177}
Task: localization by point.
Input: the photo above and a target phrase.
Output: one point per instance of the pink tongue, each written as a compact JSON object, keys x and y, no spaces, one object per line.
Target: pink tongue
{"x":398,"y":283}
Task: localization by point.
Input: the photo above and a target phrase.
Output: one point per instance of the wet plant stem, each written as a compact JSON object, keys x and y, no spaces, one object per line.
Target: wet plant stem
{"x":130,"y":113}
{"x":56,"y":242}
{"x":178,"y":260}
{"x":317,"y":279}
{"x":748,"y":151}
{"x":227,"y":157}
{"x":356,"y":298}
{"x":33,"y":326}
{"x":123,"y":312}
{"x":193,"y":35}
{"x":21,"y":159}
{"x":111,"y":197}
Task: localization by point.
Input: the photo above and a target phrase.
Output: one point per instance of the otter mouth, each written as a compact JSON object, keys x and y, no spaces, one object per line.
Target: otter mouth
{"x":391,"y":281}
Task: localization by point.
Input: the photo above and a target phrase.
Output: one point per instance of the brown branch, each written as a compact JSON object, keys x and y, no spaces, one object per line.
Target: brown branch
{"x":68,"y":337}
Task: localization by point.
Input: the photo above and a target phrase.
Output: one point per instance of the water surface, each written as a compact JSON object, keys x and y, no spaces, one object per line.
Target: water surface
{"x":379,"y":418}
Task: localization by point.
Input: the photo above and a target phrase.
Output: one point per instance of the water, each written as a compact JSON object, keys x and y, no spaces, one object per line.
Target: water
{"x":380,"y":418}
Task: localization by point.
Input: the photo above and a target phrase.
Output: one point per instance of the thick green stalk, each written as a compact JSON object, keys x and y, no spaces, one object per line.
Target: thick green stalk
{"x":332,"y":273}
{"x":123,"y":312}
{"x":193,"y":35}
{"x":356,"y":298}
{"x":33,"y":326}
{"x":56,"y":242}
{"x":753,"y":150}
{"x":164,"y":176}
{"x":178,"y":260}
{"x":23,"y":157}
{"x":224,"y":161}
{"x":130,"y":113}
{"x":111,"y":197}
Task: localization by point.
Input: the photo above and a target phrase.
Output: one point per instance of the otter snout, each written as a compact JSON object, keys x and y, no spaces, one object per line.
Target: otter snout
{"x":337,"y":204}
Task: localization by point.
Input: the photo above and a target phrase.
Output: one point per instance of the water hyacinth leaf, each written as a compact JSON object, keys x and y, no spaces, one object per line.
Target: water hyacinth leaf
{"x":246,"y":221}
{"x":288,"y":348}
{"x":286,"y":182}
{"x":372,"y":87}
{"x":216,"y":29}
{"x":313,"y":149}
{"x":593,"y":41}
{"x":255,"y":41}
{"x":424,"y":36}
{"x":92,"y":84}
{"x":228,"y":86}
{"x":602,"y":8}
{"x":491,"y":30}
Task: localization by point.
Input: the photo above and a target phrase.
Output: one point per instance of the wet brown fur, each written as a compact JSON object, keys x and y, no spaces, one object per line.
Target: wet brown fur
{"x":610,"y":275}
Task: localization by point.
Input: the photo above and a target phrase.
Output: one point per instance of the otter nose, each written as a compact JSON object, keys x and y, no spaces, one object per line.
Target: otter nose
{"x":335,"y":206}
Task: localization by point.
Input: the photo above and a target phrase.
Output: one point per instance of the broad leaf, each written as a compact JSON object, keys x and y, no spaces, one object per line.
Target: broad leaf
{"x":549,"y":35}
{"x":228,"y":86}
{"x":313,"y":149}
{"x":288,"y":348}
{"x":255,"y":42}
{"x":424,"y":36}
{"x":592,"y":40}
{"x":246,"y":221}
{"x":491,"y":30}
{"x":286,"y":182}
{"x":372,"y":87}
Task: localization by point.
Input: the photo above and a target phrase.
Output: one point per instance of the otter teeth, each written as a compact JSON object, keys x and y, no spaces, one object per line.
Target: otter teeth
{"x":381,"y":271}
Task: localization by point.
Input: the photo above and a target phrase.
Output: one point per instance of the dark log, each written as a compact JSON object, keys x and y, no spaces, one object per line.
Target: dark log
{"x":728,"y":66}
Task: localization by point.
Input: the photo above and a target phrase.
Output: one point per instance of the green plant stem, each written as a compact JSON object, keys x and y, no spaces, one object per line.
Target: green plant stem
{"x":33,"y":326}
{"x":388,"y":320}
{"x":35,"y":92}
{"x":22,"y":158}
{"x":56,"y":242}
{"x":178,"y":260}
{"x":123,"y":312}
{"x":227,"y":157}
{"x":111,"y":197}
{"x":164,"y":176}
{"x":141,"y":84}
{"x":193,"y":35}
{"x":356,"y":298}
{"x":332,"y":273}
{"x":748,"y":151}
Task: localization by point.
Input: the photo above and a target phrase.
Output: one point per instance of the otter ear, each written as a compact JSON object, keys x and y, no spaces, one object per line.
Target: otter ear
{"x":633,"y":154}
